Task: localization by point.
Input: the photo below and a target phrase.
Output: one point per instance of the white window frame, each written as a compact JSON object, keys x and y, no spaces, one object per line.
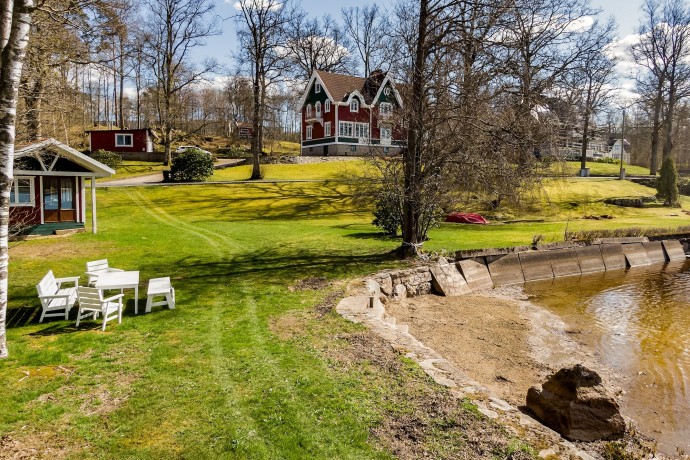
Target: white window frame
{"x":327,"y":106}
{"x":308,"y":111}
{"x":354,"y":105}
{"x":385,"y":109}
{"x":345,"y":129}
{"x":327,"y":129}
{"x":309,"y":132}
{"x":317,"y":88}
{"x":15,"y":189}
{"x":317,"y":107}
{"x":361,"y":130}
{"x":124,"y":136}
{"x":387,"y":130}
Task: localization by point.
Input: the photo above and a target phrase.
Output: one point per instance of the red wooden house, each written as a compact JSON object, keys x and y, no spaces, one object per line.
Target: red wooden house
{"x":49,"y":185}
{"x":121,"y":140}
{"x":346,"y":115}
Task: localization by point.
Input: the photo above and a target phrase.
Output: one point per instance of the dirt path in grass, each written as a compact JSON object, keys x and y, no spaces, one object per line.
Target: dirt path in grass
{"x":498,"y":339}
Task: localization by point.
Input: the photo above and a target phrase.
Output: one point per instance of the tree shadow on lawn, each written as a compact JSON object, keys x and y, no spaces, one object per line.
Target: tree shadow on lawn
{"x":197,"y":278}
{"x":27,"y":315}
{"x":289,"y":201}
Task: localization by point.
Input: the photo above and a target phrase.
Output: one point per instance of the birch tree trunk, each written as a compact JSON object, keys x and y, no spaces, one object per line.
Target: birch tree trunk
{"x":15,"y":22}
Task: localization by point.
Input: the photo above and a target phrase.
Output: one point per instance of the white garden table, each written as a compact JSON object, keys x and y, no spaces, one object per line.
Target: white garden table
{"x":121,"y":280}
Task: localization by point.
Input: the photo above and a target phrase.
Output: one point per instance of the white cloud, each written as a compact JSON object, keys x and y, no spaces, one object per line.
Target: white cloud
{"x":256,"y":4}
{"x":582,"y":24}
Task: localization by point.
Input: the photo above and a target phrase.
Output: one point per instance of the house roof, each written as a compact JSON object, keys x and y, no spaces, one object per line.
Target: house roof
{"x":149,"y":130}
{"x":340,"y":86}
{"x":96,"y":167}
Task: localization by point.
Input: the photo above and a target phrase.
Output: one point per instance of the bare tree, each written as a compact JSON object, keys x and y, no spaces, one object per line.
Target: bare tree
{"x":317,"y":45}
{"x":663,"y":50}
{"x":368,"y":29}
{"x":592,"y":82}
{"x":15,"y":24}
{"x":262,"y":26}
{"x":176,"y":28}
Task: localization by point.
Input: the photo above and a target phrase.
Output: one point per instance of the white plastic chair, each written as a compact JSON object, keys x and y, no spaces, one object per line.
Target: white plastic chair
{"x":98,"y":267}
{"x":92,"y":303}
{"x":55,"y":297}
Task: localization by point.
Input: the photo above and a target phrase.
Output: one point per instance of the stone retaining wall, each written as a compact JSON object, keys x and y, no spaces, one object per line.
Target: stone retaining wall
{"x":484,"y":269}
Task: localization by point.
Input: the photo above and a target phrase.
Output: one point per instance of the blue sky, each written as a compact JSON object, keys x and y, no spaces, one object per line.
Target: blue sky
{"x":626,"y":13}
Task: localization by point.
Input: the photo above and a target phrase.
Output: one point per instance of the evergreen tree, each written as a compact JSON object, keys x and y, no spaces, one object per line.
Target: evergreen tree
{"x":667,"y":184}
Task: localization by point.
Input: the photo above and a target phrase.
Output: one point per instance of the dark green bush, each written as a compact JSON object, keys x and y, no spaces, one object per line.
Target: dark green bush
{"x":388,"y":214}
{"x":110,"y":159}
{"x":667,"y":184}
{"x":192,"y":165}
{"x":684,"y":186}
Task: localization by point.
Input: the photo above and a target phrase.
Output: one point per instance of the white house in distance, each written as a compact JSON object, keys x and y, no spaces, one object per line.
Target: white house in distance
{"x":348,"y":115}
{"x":49,"y":185}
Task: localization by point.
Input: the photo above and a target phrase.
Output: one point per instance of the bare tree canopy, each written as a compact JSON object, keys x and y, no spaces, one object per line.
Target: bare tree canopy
{"x":369,"y":31}
{"x":663,"y":50}
{"x":262,"y":32}
{"x":175,"y":28}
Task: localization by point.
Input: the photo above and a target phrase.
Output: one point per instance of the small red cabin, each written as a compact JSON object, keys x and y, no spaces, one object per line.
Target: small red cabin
{"x":49,"y":185}
{"x":121,"y":140}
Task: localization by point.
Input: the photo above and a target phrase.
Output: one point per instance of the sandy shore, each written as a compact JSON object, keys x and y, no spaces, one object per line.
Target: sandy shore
{"x":496,"y":337}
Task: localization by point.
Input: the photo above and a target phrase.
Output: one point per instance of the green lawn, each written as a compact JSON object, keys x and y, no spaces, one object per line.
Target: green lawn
{"x":603,"y":169}
{"x":133,"y":169}
{"x":334,"y":170}
{"x":246,"y":366}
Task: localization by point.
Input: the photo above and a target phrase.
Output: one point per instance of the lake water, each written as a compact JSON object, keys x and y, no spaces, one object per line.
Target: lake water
{"x":637,"y":324}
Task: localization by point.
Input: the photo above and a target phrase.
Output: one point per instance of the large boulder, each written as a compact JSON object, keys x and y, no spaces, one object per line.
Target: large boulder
{"x":575,"y":403}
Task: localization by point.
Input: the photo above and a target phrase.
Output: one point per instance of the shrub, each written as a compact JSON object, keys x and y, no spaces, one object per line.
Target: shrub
{"x":110,"y":159}
{"x":388,"y":214}
{"x":667,"y":185}
{"x":192,"y":165}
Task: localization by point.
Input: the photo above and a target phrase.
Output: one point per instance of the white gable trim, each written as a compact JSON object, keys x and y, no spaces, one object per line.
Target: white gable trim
{"x":96,"y":168}
{"x":314,"y":77}
{"x":362,"y":101}
{"x":383,"y":85}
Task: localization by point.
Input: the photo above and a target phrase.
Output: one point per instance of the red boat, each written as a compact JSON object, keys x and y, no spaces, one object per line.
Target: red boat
{"x":466,"y":218}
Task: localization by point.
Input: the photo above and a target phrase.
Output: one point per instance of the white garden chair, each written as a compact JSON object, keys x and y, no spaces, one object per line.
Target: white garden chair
{"x":92,"y":303}
{"x":98,"y":267}
{"x":55,"y":299}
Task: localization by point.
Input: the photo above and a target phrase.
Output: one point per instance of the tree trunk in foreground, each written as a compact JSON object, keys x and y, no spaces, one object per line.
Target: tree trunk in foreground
{"x":15,"y":22}
{"x":412,"y":155}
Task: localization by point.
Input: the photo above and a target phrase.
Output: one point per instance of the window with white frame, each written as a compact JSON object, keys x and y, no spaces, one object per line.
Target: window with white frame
{"x":345,"y":129}
{"x":317,"y":88}
{"x":327,"y":106}
{"x":124,"y":140}
{"x":354,"y":105}
{"x":22,"y":191}
{"x":350,"y":129}
{"x":362,"y":130}
{"x":385,"y":133}
{"x":318,"y":110}
{"x":327,"y":129}
{"x":385,"y":109}
{"x":308,"y":110}
{"x":309,"y":129}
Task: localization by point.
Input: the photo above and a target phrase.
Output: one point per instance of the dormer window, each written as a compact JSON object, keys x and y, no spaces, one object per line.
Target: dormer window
{"x":385,"y":109}
{"x":354,"y":105}
{"x":317,"y":87}
{"x":308,"y":110}
{"x":327,"y":106}
{"x":318,"y":110}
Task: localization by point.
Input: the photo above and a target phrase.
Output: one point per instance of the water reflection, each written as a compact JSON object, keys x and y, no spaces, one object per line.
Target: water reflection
{"x":638,"y":323}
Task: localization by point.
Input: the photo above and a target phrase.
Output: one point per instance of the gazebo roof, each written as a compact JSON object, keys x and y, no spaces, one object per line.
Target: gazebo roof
{"x":38,"y":150}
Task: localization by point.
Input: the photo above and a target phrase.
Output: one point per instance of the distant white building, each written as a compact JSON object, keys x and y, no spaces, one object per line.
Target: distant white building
{"x":616,"y":148}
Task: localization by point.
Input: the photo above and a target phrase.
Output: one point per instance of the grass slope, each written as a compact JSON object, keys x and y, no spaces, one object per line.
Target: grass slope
{"x":247,"y":366}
